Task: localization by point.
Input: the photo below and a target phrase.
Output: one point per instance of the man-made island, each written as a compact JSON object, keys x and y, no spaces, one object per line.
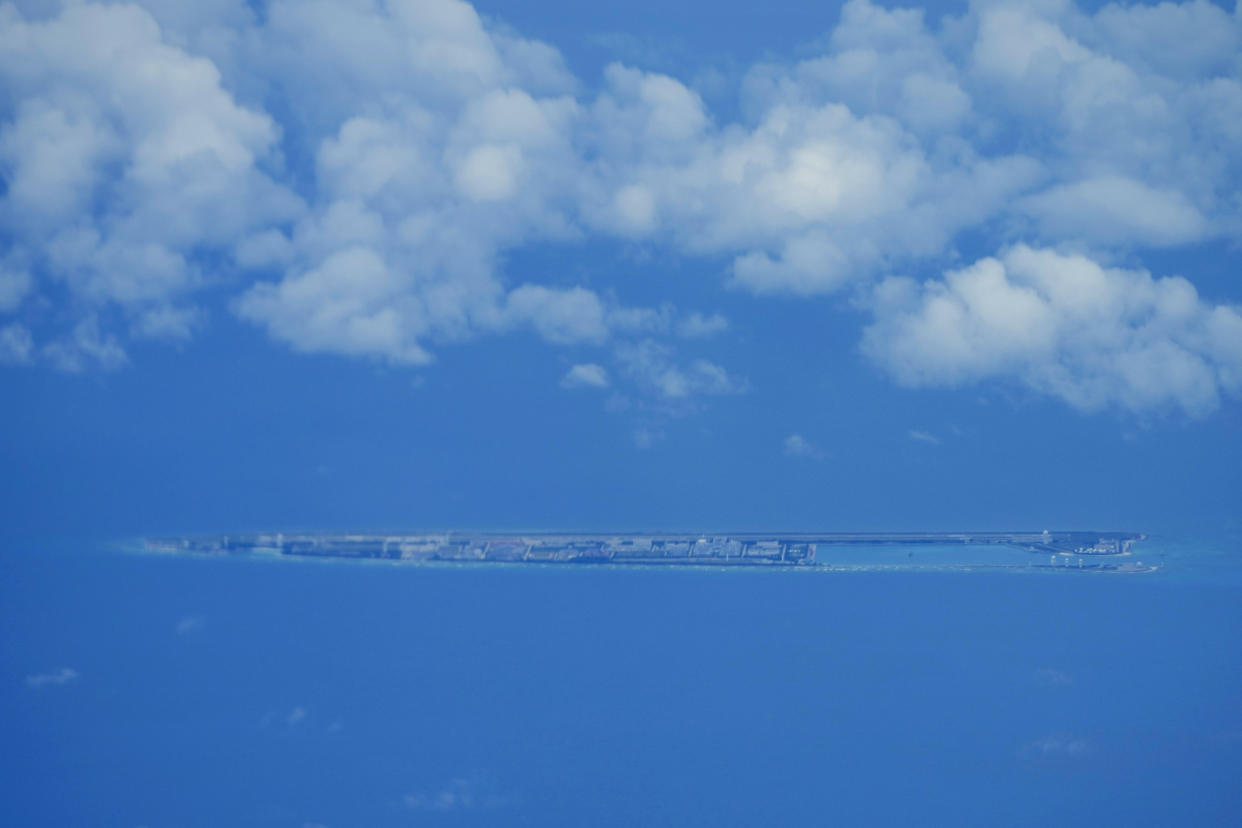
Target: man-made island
{"x":1062,"y":551}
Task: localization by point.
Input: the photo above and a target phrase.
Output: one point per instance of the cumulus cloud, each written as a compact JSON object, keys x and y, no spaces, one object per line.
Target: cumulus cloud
{"x":167,"y":323}
{"x":86,"y":347}
{"x":809,"y":199}
{"x":124,"y":155}
{"x":587,"y":375}
{"x":652,"y":366}
{"x":65,"y":675}
{"x":898,"y":136}
{"x":1116,"y":210}
{"x":1062,"y":325}
{"x":456,"y":143}
{"x":432,"y":146}
{"x":467,"y":149}
{"x":353,"y":174}
{"x":352,"y":303}
{"x":798,"y":446}
{"x":700,"y":326}
{"x":560,"y":316}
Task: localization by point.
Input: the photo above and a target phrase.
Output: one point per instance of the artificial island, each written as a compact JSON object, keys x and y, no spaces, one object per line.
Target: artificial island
{"x":1073,"y":551}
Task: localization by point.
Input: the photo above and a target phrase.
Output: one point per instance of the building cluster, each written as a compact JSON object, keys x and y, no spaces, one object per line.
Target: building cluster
{"x":534,"y":548}
{"x":711,"y":549}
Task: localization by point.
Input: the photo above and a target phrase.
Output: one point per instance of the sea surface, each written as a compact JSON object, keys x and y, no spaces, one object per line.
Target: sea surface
{"x":149,"y":690}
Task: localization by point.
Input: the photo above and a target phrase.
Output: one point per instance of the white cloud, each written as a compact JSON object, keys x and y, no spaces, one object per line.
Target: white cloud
{"x":456,"y":144}
{"x":124,"y":156}
{"x":810,"y":199}
{"x":462,"y":794}
{"x":1062,"y":325}
{"x":351,"y":304}
{"x":1181,"y":40}
{"x":930,"y":104}
{"x":1101,"y":100}
{"x":355,"y":174}
{"x":923,"y":437}
{"x":1115,"y":210}
{"x":561,"y":316}
{"x":587,"y":375}
{"x":1122,"y":125}
{"x":14,"y":287}
{"x":16,"y":344}
{"x":634,"y":210}
{"x":109,"y":112}
{"x":699,"y":326}
{"x":489,"y":173}
{"x":877,"y":60}
{"x":167,"y":323}
{"x":805,"y":265}
{"x":798,"y":446}
{"x":651,"y":366}
{"x":86,"y":347}
{"x":647,"y":113}
{"x":65,"y":675}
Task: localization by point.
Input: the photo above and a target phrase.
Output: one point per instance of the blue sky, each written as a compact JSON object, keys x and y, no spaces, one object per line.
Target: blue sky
{"x":416,"y":264}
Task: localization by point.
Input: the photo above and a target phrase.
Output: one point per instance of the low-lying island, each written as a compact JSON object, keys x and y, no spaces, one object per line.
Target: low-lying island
{"x":1070,"y":551}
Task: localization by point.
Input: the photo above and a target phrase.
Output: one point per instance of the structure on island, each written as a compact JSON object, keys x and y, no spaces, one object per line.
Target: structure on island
{"x":1091,"y":551}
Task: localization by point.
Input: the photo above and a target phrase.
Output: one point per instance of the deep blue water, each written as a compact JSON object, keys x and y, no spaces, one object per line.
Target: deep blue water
{"x":210,"y":692}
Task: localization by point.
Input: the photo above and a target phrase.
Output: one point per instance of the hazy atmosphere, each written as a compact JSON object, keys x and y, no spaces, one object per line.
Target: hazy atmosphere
{"x":397,"y":265}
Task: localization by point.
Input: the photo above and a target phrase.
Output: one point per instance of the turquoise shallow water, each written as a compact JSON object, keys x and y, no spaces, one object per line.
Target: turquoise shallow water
{"x":240,"y":692}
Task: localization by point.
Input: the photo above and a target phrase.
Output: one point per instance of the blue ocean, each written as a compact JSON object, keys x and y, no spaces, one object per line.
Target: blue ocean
{"x":147,"y":690}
